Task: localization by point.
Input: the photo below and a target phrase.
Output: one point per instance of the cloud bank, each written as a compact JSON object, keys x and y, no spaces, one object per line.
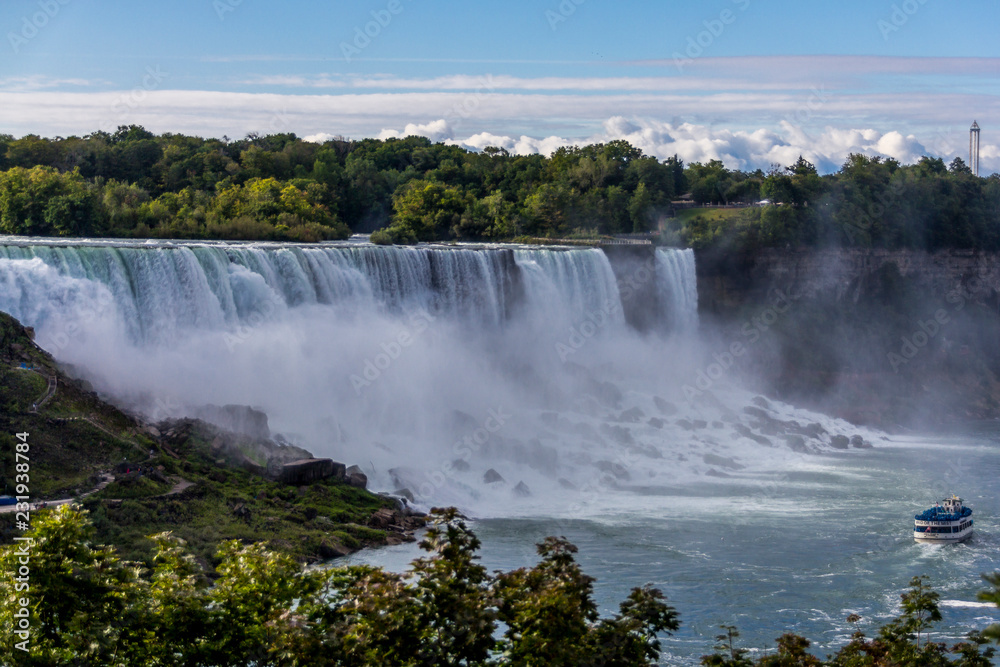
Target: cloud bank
{"x":828,"y":149}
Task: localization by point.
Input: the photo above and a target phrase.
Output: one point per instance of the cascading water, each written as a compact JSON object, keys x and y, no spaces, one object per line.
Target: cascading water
{"x":396,"y":356}
{"x":678,"y":287}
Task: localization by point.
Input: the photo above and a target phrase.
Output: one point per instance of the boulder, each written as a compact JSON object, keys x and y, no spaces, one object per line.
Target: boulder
{"x":306,"y":471}
{"x":859,"y":442}
{"x":355,"y":477}
{"x":522,"y":490}
{"x":656,"y":422}
{"x":840,"y":441}
{"x":331,"y":548}
{"x":491,"y":476}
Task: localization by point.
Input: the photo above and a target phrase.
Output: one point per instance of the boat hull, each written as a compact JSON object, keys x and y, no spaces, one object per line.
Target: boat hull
{"x":941,"y":531}
{"x":942,"y":538}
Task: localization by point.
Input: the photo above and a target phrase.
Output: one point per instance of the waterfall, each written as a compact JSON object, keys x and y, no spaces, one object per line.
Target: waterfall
{"x":391,"y":355}
{"x":159,"y":291}
{"x":678,"y":287}
{"x":431,"y":364}
{"x":569,"y":285}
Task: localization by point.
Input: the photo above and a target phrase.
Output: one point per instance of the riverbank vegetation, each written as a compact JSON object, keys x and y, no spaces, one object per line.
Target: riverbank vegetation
{"x":132,"y":183}
{"x":86,"y":605}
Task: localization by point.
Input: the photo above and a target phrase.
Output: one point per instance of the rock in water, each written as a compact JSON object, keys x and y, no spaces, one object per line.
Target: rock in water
{"x":840,"y":441}
{"x":491,"y":476}
{"x":522,"y":490}
{"x":859,"y":442}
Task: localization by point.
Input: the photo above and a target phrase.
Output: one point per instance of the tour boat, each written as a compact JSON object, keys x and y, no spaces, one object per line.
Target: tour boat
{"x":948,"y":521}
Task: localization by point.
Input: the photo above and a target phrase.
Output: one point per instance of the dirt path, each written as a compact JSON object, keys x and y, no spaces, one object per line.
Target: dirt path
{"x":179,"y":487}
{"x":103,"y":429}
{"x":106,"y":478}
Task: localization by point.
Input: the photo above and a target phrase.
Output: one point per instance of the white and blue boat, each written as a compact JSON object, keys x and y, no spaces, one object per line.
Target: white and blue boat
{"x":948,"y":521}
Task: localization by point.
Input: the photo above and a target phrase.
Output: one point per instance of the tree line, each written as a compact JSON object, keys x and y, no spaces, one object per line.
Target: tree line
{"x":83,"y":605}
{"x":132,"y":183}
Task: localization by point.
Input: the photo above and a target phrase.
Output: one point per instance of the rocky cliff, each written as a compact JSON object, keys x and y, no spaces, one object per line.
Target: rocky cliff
{"x":892,"y":338}
{"x":725,"y":283}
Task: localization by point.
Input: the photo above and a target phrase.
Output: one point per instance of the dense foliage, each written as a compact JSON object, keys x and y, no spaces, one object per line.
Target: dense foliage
{"x":870,"y":202}
{"x":135,"y":184}
{"x":87,"y":606}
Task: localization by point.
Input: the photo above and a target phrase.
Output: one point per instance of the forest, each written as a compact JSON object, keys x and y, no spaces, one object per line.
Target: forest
{"x":134,"y":184}
{"x":82,"y":604}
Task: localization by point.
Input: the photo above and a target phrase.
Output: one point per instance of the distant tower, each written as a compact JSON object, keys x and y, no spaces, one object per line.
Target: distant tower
{"x":974,"y":148}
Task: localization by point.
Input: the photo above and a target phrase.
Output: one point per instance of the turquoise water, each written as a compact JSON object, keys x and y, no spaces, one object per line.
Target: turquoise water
{"x":795,"y":551}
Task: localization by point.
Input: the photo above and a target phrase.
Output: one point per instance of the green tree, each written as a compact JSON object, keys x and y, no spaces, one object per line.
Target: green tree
{"x":427,"y":209}
{"x":82,"y":599}
{"x":992,"y":632}
{"x":456,"y":615}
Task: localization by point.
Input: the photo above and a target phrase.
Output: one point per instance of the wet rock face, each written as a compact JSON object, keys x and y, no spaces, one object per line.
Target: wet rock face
{"x":491,"y":476}
{"x":840,"y":441}
{"x":240,"y":419}
{"x":306,"y":471}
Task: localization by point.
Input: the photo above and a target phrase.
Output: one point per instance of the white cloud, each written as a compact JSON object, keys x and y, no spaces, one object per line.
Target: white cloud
{"x":746,"y":150}
{"x":437,"y":130}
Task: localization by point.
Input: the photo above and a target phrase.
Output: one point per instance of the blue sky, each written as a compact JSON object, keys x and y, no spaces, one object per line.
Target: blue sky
{"x":748,"y":81}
